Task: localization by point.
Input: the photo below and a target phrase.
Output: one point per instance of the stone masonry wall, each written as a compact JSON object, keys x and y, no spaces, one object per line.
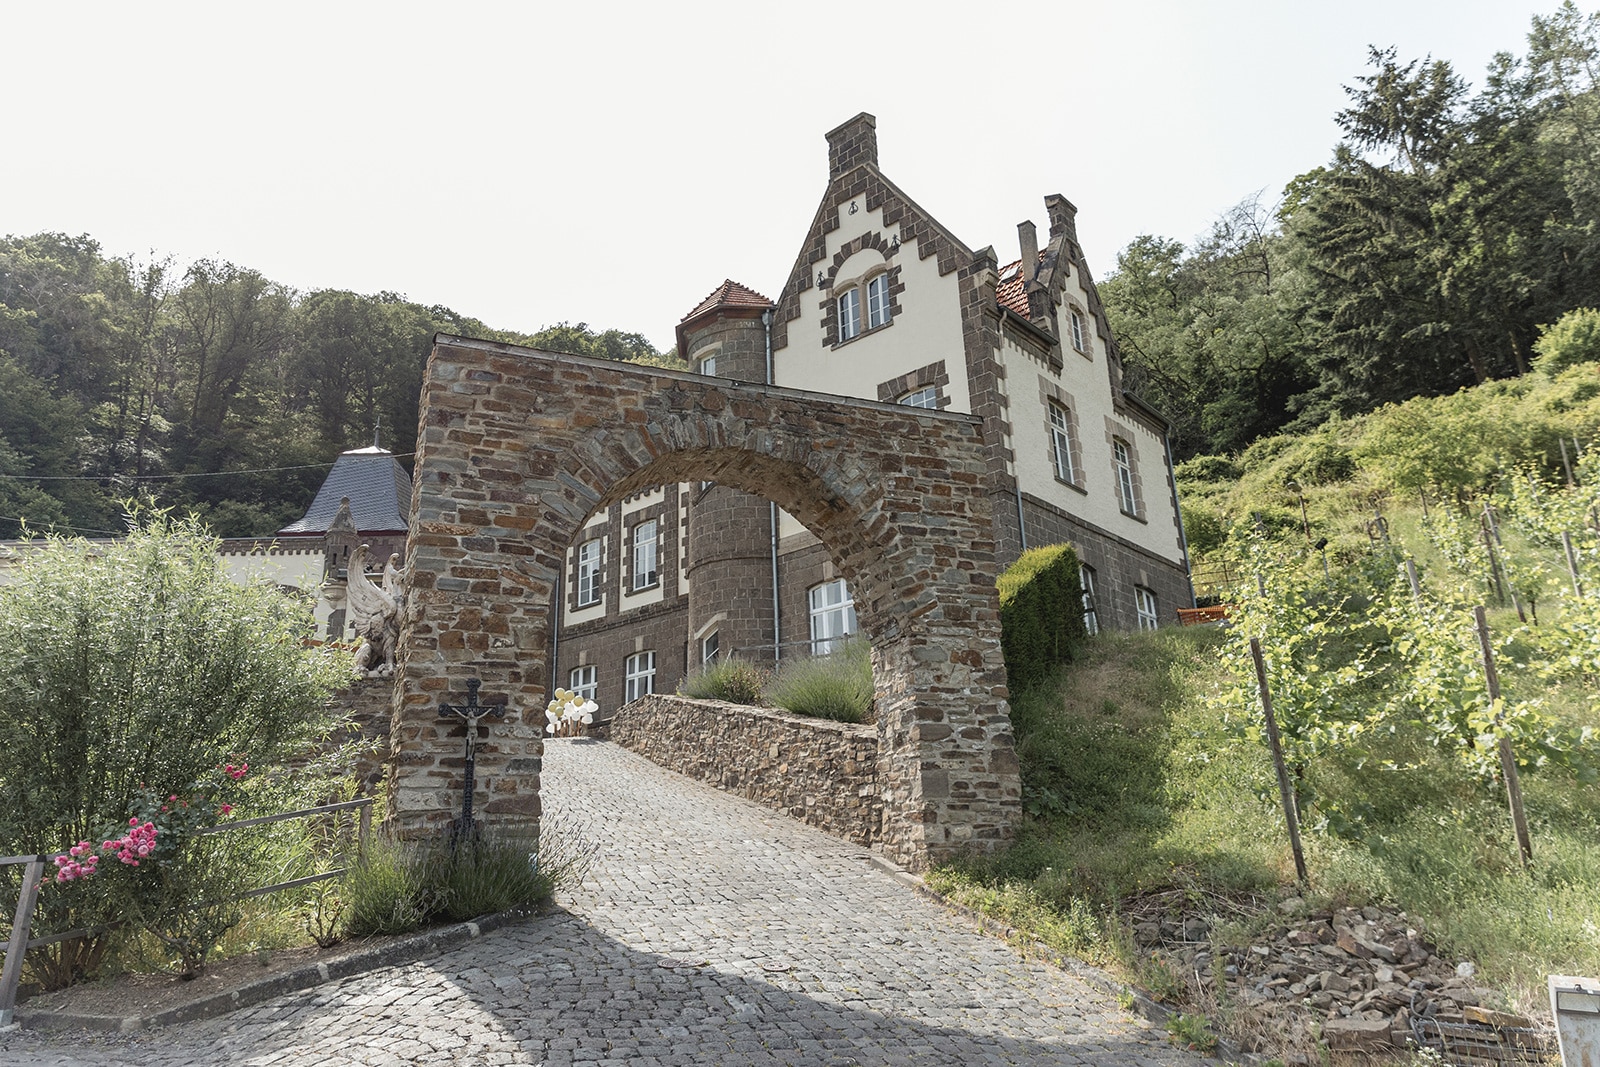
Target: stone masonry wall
{"x":518,"y":448}
{"x":820,"y":772}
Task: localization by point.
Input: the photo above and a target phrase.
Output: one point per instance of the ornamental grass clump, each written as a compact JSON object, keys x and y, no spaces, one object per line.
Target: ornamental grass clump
{"x":399,"y":886}
{"x":732,"y":680}
{"x":835,"y":686}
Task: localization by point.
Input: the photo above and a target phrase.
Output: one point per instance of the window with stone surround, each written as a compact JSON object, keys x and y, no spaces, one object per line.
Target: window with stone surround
{"x":927,"y":387}
{"x":867,"y":298}
{"x":710,"y":646}
{"x":833,"y":616}
{"x":878,"y":302}
{"x":1062,"y":455}
{"x":583,"y":682}
{"x":640,"y":673}
{"x":1144,"y":605}
{"x":708,"y":366}
{"x":589,"y":573}
{"x":926,"y":397}
{"x":1122,"y":461}
{"x":1091,"y":618}
{"x":849,"y":306}
{"x":1076,"y":326}
{"x":644,"y":554}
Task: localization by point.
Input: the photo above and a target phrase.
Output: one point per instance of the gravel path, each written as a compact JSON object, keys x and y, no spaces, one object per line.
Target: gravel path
{"x":709,"y":931}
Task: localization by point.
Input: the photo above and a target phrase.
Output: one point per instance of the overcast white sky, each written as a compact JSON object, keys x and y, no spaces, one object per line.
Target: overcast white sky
{"x":612,"y":163}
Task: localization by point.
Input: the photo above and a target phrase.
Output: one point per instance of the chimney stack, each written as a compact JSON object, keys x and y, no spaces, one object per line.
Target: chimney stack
{"x":851,"y":144}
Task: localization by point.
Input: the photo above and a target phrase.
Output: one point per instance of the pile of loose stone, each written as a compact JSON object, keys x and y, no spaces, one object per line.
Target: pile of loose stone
{"x":1363,"y":973}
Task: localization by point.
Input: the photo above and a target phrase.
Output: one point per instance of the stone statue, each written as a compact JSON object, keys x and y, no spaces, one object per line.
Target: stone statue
{"x":375,"y":611}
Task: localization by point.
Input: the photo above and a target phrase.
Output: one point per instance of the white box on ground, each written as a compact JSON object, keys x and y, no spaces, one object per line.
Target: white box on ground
{"x":1575,"y":1003}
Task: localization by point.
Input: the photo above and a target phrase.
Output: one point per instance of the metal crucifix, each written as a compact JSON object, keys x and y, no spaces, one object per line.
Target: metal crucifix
{"x":472,"y":712}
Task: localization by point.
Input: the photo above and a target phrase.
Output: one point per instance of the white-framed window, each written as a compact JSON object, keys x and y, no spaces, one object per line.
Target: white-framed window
{"x":833,"y":616}
{"x":1091,"y":618}
{"x":926,"y":397}
{"x":1076,"y":322}
{"x":583,"y":682}
{"x":710,"y":646}
{"x":878,"y":302}
{"x":1122,"y":459}
{"x":849,"y":314}
{"x":1061,"y":443}
{"x":644,"y":554}
{"x":641,"y":674}
{"x":1144,"y":605}
{"x":708,"y":366}
{"x":589,"y":572}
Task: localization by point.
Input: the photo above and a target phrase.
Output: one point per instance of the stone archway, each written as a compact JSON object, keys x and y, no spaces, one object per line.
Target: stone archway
{"x":518,"y":447}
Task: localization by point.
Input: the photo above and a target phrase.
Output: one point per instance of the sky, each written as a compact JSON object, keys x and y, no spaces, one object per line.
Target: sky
{"x":536,"y":163}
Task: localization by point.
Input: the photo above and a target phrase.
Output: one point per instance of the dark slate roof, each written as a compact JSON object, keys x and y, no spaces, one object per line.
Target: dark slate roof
{"x":378,"y":487}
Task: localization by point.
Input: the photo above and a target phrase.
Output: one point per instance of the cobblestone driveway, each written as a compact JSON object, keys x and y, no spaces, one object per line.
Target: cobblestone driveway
{"x":710,"y":931}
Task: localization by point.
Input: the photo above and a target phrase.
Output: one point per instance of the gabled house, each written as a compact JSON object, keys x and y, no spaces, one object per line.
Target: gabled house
{"x":885,"y":303}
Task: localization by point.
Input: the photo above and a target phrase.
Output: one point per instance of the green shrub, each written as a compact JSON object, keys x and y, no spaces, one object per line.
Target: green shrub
{"x":137,"y":663}
{"x":732,"y":680}
{"x":1572,"y":339}
{"x":1208,"y":469}
{"x":1204,"y":528}
{"x":1041,"y":613}
{"x":836,"y":686}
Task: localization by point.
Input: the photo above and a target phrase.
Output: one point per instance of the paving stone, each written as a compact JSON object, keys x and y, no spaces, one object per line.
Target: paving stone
{"x":682,"y":872}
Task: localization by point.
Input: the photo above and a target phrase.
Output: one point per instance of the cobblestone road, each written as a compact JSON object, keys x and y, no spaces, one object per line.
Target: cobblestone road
{"x":709,"y":931}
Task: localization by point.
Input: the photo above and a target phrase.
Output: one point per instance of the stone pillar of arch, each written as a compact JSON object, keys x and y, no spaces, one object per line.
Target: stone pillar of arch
{"x":517,"y":448}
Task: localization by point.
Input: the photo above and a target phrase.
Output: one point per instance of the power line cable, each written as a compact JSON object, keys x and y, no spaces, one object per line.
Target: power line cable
{"x":174,"y":477}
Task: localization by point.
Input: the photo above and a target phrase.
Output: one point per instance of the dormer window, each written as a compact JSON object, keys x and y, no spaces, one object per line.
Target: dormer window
{"x":849,"y":314}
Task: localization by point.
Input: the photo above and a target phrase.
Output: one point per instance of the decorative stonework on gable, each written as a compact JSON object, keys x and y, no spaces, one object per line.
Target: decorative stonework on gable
{"x":518,"y":449}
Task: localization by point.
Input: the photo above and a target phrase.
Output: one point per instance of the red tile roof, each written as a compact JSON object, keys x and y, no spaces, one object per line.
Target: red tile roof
{"x":730,"y":294}
{"x":1012,"y":291}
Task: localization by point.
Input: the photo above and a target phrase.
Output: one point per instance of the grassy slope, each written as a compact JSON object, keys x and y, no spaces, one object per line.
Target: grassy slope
{"x":1135,"y":787}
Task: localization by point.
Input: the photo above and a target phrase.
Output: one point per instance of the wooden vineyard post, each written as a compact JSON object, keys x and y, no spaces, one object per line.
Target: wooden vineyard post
{"x":1565,"y":462}
{"x":1572,"y":563}
{"x":1508,"y":760}
{"x":1291,"y":816}
{"x":1416,"y":586}
{"x":1491,"y":539}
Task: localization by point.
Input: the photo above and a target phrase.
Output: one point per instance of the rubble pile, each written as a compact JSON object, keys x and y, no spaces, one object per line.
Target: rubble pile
{"x":1370,"y":980}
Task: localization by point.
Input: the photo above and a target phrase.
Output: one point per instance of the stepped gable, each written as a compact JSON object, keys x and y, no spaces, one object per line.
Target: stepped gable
{"x":377,"y":487}
{"x":728,"y":298}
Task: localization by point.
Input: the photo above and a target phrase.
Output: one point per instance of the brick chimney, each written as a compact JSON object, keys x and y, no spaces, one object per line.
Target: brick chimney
{"x":1028,"y":239}
{"x":1063,"y":217}
{"x":851,"y":144}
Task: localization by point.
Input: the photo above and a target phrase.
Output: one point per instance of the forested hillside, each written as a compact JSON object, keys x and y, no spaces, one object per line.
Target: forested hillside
{"x":118,"y":378}
{"x":1450,"y":225}
{"x":1452,"y":228}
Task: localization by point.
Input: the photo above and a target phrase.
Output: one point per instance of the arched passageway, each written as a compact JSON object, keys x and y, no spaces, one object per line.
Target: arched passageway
{"x":518,"y":447}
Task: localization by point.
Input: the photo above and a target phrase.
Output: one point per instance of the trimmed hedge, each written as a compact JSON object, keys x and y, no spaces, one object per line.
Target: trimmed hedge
{"x":1041,"y":614}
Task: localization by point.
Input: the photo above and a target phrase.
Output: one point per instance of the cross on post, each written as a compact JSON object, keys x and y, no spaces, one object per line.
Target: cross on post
{"x":472,"y":713}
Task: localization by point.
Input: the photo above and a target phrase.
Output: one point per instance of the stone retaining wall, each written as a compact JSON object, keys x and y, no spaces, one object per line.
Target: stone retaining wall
{"x":823,"y":773}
